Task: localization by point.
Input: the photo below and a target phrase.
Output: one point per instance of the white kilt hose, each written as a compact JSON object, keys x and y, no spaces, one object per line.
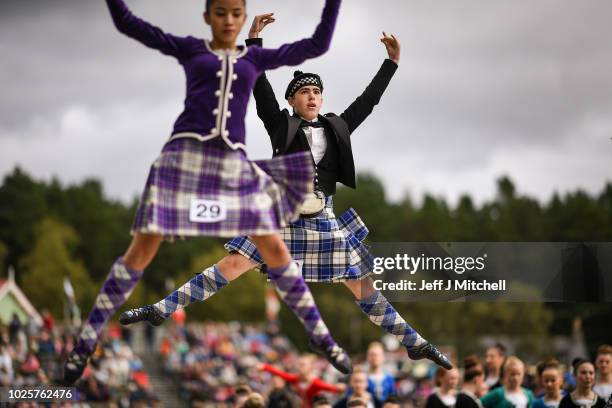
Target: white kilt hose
{"x":328,"y":248}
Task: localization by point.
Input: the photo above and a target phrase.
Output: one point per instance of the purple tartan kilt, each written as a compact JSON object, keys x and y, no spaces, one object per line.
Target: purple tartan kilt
{"x":327,"y":248}
{"x":260,"y":197}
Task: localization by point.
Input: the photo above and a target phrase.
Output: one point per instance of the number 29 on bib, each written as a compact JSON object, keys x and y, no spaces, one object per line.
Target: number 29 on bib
{"x":206,"y":211}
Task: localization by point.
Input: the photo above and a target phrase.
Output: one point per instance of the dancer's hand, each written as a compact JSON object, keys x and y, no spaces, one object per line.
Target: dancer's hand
{"x":259,"y":23}
{"x":392,"y":45}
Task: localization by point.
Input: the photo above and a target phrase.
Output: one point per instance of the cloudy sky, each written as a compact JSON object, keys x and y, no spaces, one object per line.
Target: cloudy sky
{"x":485,"y":88}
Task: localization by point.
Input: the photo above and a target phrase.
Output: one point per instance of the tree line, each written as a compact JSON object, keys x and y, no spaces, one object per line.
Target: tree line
{"x":49,"y":230}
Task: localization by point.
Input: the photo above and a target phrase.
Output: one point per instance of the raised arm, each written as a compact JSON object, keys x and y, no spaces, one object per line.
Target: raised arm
{"x":324,"y":386}
{"x":363,"y":106}
{"x":151,"y":36}
{"x":268,"y":108}
{"x":299,"y":51}
{"x":290,"y":378}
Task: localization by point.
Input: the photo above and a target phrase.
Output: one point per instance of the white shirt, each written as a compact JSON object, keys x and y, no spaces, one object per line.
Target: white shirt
{"x":448,"y":400}
{"x":6,"y":367}
{"x":603,"y":390}
{"x":552,"y":403}
{"x":583,"y":402}
{"x":377,"y":379}
{"x":517,"y":398}
{"x":490,"y":380}
{"x":317,"y":141}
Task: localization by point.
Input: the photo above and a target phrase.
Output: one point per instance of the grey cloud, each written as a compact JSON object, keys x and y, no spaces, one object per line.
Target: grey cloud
{"x":480,"y":85}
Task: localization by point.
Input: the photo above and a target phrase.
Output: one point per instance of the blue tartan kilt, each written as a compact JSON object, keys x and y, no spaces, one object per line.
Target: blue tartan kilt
{"x":327,"y":248}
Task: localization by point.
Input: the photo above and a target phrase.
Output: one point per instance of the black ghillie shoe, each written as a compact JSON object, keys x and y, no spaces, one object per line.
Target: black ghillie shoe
{"x":139,"y":314}
{"x":430,"y":352}
{"x":73,"y":368}
{"x":336,"y":356}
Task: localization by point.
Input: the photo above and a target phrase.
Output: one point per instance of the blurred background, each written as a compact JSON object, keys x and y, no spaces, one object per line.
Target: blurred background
{"x":496,"y":127}
{"x":484,"y":89}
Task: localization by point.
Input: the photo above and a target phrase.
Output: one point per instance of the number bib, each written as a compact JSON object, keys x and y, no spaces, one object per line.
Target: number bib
{"x":205,"y":211}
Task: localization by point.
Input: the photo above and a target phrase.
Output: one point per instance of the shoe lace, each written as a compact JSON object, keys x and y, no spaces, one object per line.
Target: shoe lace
{"x":337,"y":353}
{"x":74,"y":360}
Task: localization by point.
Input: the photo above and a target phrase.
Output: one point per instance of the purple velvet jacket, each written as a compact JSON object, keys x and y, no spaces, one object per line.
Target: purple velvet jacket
{"x":219,"y":83}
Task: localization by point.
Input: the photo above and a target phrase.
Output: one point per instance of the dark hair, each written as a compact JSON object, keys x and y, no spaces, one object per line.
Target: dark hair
{"x":546,"y":364}
{"x":243,"y":389}
{"x":356,"y":403}
{"x":320,"y":400}
{"x":473,"y":367}
{"x":500,"y":348}
{"x":210,"y":2}
{"x":577,"y":362}
{"x":392,"y":399}
{"x":604,"y":349}
{"x":440,"y":373}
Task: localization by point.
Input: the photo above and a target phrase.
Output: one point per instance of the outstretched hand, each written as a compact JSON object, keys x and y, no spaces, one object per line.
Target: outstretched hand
{"x":392,"y":45}
{"x":259,"y":23}
{"x":341,"y":387}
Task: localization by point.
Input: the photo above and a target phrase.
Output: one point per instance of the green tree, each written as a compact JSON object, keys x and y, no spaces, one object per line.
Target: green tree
{"x":578,"y":217}
{"x":370,"y":202}
{"x":105,"y":223}
{"x":62,"y":228}
{"x":515,"y":218}
{"x":51,"y":259}
{"x":3,"y":254}
{"x":22,"y":205}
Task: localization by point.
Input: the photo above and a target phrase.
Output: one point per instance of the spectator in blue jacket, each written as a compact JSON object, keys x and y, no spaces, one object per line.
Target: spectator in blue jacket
{"x":380,"y":383}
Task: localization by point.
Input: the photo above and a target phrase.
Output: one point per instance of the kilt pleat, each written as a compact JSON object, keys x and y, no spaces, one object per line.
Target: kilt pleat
{"x":329,"y":249}
{"x":260,"y":197}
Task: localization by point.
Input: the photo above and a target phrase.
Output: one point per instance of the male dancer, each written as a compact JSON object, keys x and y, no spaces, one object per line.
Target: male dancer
{"x":329,"y":249}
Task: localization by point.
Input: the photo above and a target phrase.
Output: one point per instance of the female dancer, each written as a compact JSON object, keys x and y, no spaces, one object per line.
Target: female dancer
{"x":445,"y":393}
{"x":583,"y":396}
{"x":551,"y":379}
{"x":511,"y":394}
{"x":203,"y":183}
{"x":474,"y":385}
{"x":603,"y":365}
{"x":329,"y":249}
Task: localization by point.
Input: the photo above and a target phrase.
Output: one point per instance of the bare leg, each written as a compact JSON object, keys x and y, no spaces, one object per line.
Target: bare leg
{"x":234,"y":265}
{"x":273,"y":250}
{"x":360,"y":288}
{"x":141,"y":251}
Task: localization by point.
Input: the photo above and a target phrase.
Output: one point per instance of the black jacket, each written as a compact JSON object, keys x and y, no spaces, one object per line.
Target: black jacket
{"x":283,"y":128}
{"x":568,"y":402}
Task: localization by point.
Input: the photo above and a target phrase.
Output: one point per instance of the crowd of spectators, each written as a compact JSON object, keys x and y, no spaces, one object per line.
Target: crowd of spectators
{"x":31,"y":356}
{"x":217,"y":363}
{"x":243,"y":365}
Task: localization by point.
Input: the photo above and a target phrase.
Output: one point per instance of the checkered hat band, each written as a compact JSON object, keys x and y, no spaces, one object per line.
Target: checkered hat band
{"x":306,"y":81}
